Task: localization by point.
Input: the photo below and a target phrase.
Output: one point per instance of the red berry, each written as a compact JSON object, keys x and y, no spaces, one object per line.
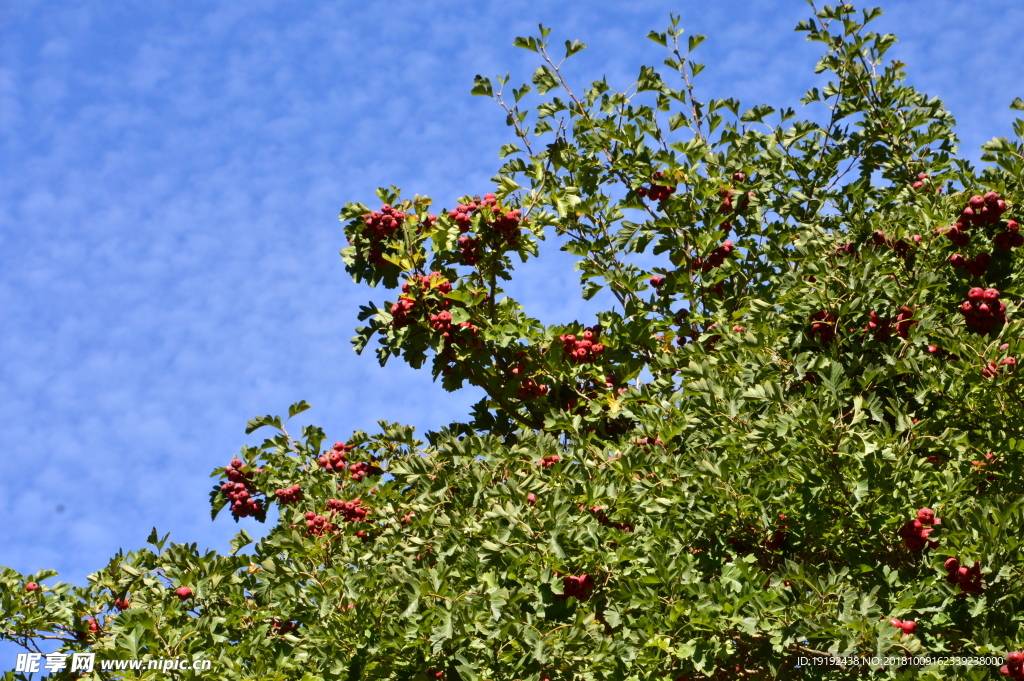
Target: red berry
{"x":909,"y":626}
{"x":1015,"y":658}
{"x":31,"y":586}
{"x":183,"y":592}
{"x":237,"y":463}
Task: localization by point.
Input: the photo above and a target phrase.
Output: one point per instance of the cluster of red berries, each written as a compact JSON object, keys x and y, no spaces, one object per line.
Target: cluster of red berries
{"x":977,"y":265}
{"x":469,"y":328}
{"x":401,"y":310}
{"x":657,"y":192}
{"x":993,"y":369}
{"x":349,"y":511}
{"x":505,"y":225}
{"x":334,"y":460}
{"x":779,"y":535}
{"x":901,"y":247}
{"x":288,"y":495}
{"x":354,"y":511}
{"x":823,"y":326}
{"x":714,"y":259}
{"x":1014,"y":666}
{"x":982,"y":210}
{"x":470,"y":249}
{"x":584,"y":349}
{"x":643,"y":441}
{"x":920,"y":183}
{"x":982,"y":310}
{"x":279,"y":627}
{"x":579,"y":587}
{"x":318,"y":525}
{"x":908,"y":626}
{"x":425,"y":282}
{"x":359,"y":470}
{"x":969,"y":579}
{"x":240,"y":491}
{"x":602,"y":518}
{"x":915,"y":532}
{"x":954,"y":234}
{"x":463,"y":215}
{"x":122,"y":604}
{"x":990,"y":458}
{"x":381,"y":225}
{"x":530,"y":389}
{"x":882,"y":328}
{"x":725,"y":194}
{"x":442,"y":321}
{"x":434,"y":674}
{"x":685,"y":330}
{"x":549,"y":461}
{"x":1011,"y":238}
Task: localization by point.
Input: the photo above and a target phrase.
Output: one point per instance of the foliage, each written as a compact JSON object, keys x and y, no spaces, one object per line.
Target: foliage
{"x":719,"y":477}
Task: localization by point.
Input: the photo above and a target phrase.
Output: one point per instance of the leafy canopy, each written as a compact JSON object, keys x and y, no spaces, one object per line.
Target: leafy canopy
{"x":808,"y":354}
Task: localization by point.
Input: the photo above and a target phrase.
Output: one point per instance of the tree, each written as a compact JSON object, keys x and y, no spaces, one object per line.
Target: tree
{"x":795,"y":433}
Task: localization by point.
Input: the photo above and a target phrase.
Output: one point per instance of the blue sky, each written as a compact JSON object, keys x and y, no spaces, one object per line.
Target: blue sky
{"x":170,"y":178}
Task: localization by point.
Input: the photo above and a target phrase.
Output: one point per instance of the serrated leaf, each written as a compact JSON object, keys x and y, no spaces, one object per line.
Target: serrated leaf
{"x":482,"y":87}
{"x":298,"y":408}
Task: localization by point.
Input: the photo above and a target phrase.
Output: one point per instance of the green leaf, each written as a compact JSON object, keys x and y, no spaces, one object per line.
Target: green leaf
{"x":298,"y":408}
{"x":258,"y":422}
{"x":240,"y":541}
{"x":660,"y":38}
{"x":482,"y":86}
{"x":573,"y":47}
{"x":526,"y":43}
